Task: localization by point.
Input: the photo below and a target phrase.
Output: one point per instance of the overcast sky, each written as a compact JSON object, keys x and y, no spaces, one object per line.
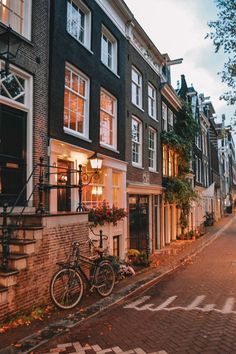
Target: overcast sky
{"x":178,"y":27}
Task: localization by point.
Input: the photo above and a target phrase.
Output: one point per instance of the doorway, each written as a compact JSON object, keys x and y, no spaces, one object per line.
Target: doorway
{"x":138,"y":221}
{"x":12,"y":154}
{"x":64,"y":180}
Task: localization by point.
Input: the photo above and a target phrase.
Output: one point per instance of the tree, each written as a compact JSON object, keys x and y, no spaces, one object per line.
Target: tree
{"x":224,"y":36}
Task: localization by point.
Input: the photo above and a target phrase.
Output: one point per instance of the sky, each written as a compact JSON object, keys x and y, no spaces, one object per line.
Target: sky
{"x":179,"y":28}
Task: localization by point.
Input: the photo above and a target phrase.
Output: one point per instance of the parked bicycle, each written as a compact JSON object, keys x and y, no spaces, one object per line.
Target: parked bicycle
{"x":67,"y":284}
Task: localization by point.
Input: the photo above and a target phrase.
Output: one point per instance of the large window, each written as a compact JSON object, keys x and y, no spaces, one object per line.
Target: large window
{"x":136,"y":87}
{"x":165,"y":160}
{"x":164,"y":116}
{"x":93,"y":194}
{"x":136,"y":142}
{"x":108,"y":120}
{"x":109,"y":50}
{"x":115,"y":188}
{"x":79,"y":21}
{"x":152,"y":149}
{"x":152,"y":101}
{"x":76,"y":102}
{"x":17,"y":14}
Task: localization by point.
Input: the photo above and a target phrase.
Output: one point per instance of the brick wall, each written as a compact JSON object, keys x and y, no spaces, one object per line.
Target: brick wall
{"x":32,"y":288}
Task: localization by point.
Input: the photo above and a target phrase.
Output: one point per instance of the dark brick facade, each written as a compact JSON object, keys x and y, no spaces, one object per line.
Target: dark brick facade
{"x":64,"y":48}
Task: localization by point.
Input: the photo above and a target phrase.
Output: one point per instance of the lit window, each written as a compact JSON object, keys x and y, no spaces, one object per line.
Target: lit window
{"x":17,"y":14}
{"x":115,"y":188}
{"x":136,"y":87}
{"x":152,"y":101}
{"x":152,"y":149}
{"x":165,"y":160}
{"x":79,"y":21}
{"x":171,"y":163}
{"x":76,"y":102}
{"x":109,"y":50}
{"x":136,"y":142}
{"x":93,"y":193}
{"x":108,"y":120}
{"x":164,"y":116}
{"x":116,"y":246}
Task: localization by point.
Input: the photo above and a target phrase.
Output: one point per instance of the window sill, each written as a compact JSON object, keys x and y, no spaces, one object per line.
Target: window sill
{"x":153,"y":118}
{"x":24,"y":37}
{"x":137,"y":166}
{"x":109,"y":148}
{"x":153,"y":171}
{"x":141,"y":109}
{"x":83,"y":45}
{"x":76,"y":135}
{"x":112,"y":71}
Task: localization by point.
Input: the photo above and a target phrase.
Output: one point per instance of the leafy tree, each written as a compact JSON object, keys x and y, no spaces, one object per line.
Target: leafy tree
{"x":224,"y":36}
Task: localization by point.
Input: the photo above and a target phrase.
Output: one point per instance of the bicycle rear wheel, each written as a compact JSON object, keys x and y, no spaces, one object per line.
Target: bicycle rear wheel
{"x":66,"y":288}
{"x":104,"y":278}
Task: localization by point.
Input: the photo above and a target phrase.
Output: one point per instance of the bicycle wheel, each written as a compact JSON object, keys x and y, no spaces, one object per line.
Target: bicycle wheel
{"x":66,"y":288}
{"x":104,"y":278}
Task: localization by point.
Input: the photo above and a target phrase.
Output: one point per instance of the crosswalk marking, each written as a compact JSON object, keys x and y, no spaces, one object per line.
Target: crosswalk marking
{"x":228,"y":307}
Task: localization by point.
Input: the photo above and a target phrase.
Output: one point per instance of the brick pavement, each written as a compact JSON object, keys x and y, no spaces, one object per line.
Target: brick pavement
{"x":118,"y":325}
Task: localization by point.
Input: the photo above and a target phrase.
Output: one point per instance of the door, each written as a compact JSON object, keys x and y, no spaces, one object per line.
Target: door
{"x":138,"y":222}
{"x":12,"y":154}
{"x":63,"y":180}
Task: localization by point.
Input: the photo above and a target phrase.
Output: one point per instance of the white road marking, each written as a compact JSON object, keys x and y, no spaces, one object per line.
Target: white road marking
{"x":194,"y":305}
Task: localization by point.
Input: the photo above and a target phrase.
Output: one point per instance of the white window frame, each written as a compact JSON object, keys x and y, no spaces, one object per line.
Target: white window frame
{"x":152,"y":101}
{"x":165,"y":116}
{"x":26,"y":17}
{"x":138,"y":142}
{"x":87,"y":25}
{"x":85,"y":134}
{"x":170,"y":117}
{"x":152,"y":149}
{"x":136,"y":88}
{"x":104,"y":50}
{"x":114,"y":121}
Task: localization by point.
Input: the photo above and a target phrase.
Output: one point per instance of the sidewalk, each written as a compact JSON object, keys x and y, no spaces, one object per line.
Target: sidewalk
{"x":26,"y":338}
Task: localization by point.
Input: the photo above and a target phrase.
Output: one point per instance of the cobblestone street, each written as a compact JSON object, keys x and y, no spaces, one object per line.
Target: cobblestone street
{"x":190,"y":311}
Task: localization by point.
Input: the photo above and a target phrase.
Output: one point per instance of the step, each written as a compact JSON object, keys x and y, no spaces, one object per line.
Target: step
{"x":17,"y":261}
{"x":3,"y":294}
{"x":30,"y":232}
{"x":25,"y":219}
{"x":8,"y":278}
{"x":21,"y":245}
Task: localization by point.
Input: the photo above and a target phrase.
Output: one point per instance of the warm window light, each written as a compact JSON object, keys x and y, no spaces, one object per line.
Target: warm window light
{"x":96,"y":162}
{"x":97,"y":190}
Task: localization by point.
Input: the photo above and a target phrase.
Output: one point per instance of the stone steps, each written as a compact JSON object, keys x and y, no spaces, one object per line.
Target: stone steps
{"x":16,"y":261}
{"x":3,"y":294}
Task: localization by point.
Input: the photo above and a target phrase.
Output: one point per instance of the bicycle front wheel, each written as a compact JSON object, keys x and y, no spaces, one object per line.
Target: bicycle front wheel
{"x":104,"y":278}
{"x":66,"y":288}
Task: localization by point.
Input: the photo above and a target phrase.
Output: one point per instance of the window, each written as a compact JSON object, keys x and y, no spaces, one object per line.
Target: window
{"x":13,"y":87}
{"x":17,"y":14}
{"x":79,"y":21}
{"x":115,"y":188}
{"x":152,"y":148}
{"x":109,"y":50}
{"x":165,"y":160}
{"x":76,"y":102}
{"x":93,"y":193}
{"x":116,"y":246}
{"x":164,"y":116}
{"x":136,"y":142}
{"x":108,"y":120}
{"x":136,"y":87}
{"x":170,"y":118}
{"x":152,"y":101}
{"x":171,"y":163}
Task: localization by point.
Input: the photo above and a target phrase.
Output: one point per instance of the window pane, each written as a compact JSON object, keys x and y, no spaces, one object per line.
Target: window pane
{"x":67,"y":78}
{"x":75,"y":82}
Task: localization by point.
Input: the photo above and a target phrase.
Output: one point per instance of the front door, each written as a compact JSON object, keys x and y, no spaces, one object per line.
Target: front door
{"x":64,"y":180}
{"x":138,"y":222}
{"x":12,"y":154}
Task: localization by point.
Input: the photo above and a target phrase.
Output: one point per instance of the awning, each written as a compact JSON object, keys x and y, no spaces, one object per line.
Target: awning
{"x":210,"y":191}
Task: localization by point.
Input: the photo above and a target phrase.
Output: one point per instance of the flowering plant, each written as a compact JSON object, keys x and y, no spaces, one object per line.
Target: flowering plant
{"x":104,"y":213}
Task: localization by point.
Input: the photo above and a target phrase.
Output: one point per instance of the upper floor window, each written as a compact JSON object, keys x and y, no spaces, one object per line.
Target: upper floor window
{"x":165,"y":160}
{"x":108,"y":120}
{"x":17,"y":14}
{"x":136,"y":87}
{"x":152,"y":101}
{"x":79,"y":21}
{"x":170,"y":118}
{"x":164,"y":116}
{"x":152,"y":149}
{"x":76,"y":102}
{"x":136,"y":142}
{"x":109,"y":50}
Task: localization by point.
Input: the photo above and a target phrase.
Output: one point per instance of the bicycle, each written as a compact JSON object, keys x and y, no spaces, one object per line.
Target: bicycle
{"x":67,"y":284}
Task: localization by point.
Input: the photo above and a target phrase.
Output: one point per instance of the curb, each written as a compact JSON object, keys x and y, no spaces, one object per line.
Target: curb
{"x":28,"y":344}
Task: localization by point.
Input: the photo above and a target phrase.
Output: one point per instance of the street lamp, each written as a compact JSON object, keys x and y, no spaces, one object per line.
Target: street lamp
{"x":96,"y":165}
{"x":9,"y":47}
